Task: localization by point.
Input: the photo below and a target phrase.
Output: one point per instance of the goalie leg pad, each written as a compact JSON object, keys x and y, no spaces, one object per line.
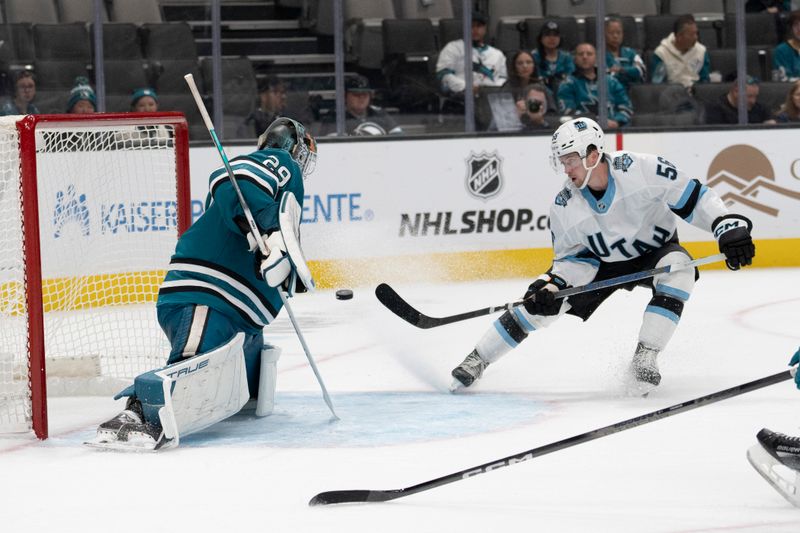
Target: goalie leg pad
{"x":267,"y":380}
{"x":203,"y":390}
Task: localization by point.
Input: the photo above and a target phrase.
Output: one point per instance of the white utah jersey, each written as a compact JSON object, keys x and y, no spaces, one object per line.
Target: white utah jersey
{"x":637,"y":214}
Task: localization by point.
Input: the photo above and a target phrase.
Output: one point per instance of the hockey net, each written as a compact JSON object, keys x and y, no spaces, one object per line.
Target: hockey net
{"x":90,"y":210}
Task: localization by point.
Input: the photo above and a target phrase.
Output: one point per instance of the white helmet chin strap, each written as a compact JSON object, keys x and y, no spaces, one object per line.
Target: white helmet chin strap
{"x":589,"y":171}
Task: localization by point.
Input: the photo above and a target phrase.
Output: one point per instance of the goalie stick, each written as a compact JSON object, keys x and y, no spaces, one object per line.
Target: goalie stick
{"x":361,"y":496}
{"x":262,"y":246}
{"x":397,"y":305}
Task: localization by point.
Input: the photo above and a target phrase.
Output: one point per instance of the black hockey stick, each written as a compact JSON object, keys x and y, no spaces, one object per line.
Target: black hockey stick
{"x":397,"y":305}
{"x":352,"y":496}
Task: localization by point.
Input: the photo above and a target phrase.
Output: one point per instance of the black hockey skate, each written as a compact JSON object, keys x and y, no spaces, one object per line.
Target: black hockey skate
{"x":776,"y":458}
{"x":470,"y":370}
{"x":108,"y":431}
{"x":644,"y":371}
{"x":782,"y":447}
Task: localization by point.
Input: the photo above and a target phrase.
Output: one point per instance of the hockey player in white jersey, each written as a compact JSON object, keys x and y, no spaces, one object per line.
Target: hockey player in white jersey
{"x":617,"y":214}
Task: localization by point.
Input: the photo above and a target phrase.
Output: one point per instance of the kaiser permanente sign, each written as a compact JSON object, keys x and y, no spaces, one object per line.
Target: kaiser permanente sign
{"x":467,"y":208}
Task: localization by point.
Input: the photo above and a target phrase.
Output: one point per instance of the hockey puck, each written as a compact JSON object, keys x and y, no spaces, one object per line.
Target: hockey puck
{"x":344,"y":294}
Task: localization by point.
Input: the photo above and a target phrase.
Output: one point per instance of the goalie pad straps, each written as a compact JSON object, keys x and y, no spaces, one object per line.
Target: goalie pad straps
{"x":203,"y":390}
{"x":289,"y":220}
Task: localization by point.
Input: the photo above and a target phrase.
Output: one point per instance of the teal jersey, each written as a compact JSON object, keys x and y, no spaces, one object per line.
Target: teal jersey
{"x":632,"y":68}
{"x":553,"y":71}
{"x":578,"y":95}
{"x":212,"y":264}
{"x":786,"y":63}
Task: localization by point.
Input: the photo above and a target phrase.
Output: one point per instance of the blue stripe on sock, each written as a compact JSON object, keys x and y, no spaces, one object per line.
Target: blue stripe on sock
{"x":523,"y":320}
{"x":663,"y":312}
{"x":504,"y":334}
{"x":672,"y":291}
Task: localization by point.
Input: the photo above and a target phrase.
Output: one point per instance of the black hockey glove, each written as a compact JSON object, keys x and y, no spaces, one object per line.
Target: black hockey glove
{"x":733,"y":235}
{"x":540,"y":297}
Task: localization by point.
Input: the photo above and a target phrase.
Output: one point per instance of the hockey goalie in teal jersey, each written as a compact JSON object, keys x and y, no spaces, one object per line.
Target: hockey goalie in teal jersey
{"x":219,"y":293}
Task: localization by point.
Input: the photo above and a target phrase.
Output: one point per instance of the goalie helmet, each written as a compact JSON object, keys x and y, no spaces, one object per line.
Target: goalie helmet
{"x":287,"y":134}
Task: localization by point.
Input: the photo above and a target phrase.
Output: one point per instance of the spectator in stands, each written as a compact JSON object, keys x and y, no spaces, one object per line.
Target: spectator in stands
{"x":680,"y":58}
{"x":361,"y":118}
{"x":81,"y":97}
{"x":786,"y":57}
{"x":532,"y":108}
{"x":488,"y":63}
{"x":271,"y":105}
{"x":790,"y":109}
{"x":577,"y":95}
{"x":144,"y":100}
{"x":623,"y":62}
{"x":24,"y":93}
{"x":770,"y":6}
{"x":553,"y":63}
{"x":725,"y":110}
{"x":524,"y":74}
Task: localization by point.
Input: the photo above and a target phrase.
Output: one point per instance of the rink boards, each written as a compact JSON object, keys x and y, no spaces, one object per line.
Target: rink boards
{"x":476,"y":207}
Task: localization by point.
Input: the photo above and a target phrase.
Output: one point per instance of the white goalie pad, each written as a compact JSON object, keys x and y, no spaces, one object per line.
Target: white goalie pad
{"x":268,"y":378}
{"x":289,"y":221}
{"x":782,"y":478}
{"x":203,"y":390}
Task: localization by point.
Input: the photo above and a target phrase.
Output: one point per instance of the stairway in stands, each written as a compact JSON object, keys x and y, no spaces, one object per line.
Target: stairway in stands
{"x":273,"y":37}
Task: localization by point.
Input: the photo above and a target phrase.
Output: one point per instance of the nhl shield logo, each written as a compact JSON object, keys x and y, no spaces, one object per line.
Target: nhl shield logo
{"x":484,"y":178}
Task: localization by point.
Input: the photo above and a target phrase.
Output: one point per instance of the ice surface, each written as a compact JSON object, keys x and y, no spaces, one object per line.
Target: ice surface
{"x":400,"y":426}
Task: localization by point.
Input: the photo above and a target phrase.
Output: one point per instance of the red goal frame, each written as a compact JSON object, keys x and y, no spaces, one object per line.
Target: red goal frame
{"x":26,"y":128}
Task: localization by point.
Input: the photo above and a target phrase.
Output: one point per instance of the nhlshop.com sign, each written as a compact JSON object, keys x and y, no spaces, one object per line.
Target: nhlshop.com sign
{"x":470,"y":222}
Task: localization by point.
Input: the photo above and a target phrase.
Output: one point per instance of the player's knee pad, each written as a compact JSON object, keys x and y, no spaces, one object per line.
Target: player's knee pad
{"x":268,"y":378}
{"x":677,"y":284}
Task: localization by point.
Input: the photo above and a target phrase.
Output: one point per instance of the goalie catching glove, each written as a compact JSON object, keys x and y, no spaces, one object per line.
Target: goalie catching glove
{"x":540,"y":297}
{"x":733,"y":235}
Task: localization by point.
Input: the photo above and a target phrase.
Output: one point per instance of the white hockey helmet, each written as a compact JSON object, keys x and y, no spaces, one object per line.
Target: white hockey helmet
{"x":576,"y":135}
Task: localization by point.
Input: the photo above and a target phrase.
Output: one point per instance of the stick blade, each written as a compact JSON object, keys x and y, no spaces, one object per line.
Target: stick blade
{"x":353,"y":496}
{"x":394,"y":303}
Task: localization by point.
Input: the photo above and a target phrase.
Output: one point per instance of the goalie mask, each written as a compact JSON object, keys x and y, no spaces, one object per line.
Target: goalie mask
{"x":287,"y":134}
{"x":576,"y":136}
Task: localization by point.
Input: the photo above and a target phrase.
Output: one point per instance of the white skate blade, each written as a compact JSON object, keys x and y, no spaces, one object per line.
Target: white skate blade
{"x":134,"y":446}
{"x":633,"y":388}
{"x":782,"y":478}
{"x":456,"y":386}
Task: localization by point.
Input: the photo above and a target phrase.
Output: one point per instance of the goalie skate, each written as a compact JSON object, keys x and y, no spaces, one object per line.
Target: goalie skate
{"x":775,"y":465}
{"x":132,"y":414}
{"x":469,"y":371}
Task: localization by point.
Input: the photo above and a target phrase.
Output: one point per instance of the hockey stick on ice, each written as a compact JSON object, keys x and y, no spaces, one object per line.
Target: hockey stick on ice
{"x":352,"y":496}
{"x":262,"y":246}
{"x":397,"y":305}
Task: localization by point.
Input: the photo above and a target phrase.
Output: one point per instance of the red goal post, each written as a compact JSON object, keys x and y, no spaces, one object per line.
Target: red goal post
{"x":91,"y":207}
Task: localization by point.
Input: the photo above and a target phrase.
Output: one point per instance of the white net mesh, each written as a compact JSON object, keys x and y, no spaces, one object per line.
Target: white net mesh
{"x":107,"y":204}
